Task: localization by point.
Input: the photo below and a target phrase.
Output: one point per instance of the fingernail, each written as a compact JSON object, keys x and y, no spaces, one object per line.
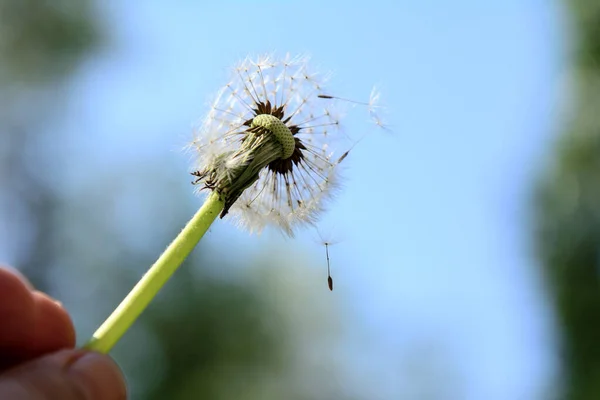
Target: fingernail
{"x":99,"y":376}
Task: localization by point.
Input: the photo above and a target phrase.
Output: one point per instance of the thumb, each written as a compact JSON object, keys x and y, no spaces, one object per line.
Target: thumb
{"x":65,"y":375}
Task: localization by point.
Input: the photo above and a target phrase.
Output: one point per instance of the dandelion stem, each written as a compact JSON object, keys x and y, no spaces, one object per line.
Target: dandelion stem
{"x":140,"y":296}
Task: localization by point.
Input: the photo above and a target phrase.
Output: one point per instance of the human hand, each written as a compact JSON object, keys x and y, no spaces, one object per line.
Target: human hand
{"x":37,"y":356}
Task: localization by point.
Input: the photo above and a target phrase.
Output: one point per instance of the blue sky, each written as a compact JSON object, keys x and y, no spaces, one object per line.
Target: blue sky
{"x":434,"y":216}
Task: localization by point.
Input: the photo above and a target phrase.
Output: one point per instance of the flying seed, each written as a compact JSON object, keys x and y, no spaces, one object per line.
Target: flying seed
{"x":329,"y":278}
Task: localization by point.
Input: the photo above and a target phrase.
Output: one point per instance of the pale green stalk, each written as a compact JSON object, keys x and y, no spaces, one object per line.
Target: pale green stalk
{"x":140,"y":296}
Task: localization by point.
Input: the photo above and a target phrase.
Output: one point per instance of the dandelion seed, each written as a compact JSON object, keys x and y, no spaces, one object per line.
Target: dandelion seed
{"x":265,"y":145}
{"x":329,"y":278}
{"x":327,"y":242}
{"x":373,"y":106}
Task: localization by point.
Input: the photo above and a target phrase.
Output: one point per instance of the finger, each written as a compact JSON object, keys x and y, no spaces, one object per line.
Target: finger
{"x":18,"y":274}
{"x":33,"y":324}
{"x":17,"y":311}
{"x":65,"y":375}
{"x":53,"y":329}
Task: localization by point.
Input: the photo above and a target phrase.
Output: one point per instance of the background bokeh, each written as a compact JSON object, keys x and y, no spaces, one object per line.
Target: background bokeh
{"x":467,"y":258}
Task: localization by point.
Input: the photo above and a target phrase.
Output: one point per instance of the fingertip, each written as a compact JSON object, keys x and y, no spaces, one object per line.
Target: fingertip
{"x":32,"y":323}
{"x":7,"y":269}
{"x":17,"y":309}
{"x":14,"y":288}
{"x":53,"y":327}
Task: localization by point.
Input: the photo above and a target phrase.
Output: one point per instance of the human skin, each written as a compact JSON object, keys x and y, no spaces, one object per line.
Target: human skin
{"x":38,"y":359}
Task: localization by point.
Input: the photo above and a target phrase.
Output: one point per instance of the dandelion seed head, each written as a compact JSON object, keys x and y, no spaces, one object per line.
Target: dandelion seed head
{"x":266,"y":99}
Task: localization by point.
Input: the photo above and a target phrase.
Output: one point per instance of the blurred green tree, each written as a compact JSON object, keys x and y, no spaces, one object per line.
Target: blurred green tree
{"x":42,"y":41}
{"x":41,"y":44}
{"x":568,"y":216}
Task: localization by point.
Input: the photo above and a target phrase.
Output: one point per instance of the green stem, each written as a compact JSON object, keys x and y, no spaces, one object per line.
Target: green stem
{"x":140,"y":296}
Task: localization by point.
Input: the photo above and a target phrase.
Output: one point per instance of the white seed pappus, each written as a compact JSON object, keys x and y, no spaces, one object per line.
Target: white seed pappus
{"x":289,"y":192}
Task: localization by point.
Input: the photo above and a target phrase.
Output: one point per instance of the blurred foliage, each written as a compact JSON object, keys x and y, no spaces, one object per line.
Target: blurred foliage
{"x":586,"y":15}
{"x":41,"y":44}
{"x":568,"y":220}
{"x":251,"y":335}
{"x":43,"y":40}
{"x":241,"y":340}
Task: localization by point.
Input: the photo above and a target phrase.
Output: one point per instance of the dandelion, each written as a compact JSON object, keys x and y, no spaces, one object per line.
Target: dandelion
{"x":264,"y":154}
{"x":265,"y":145}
